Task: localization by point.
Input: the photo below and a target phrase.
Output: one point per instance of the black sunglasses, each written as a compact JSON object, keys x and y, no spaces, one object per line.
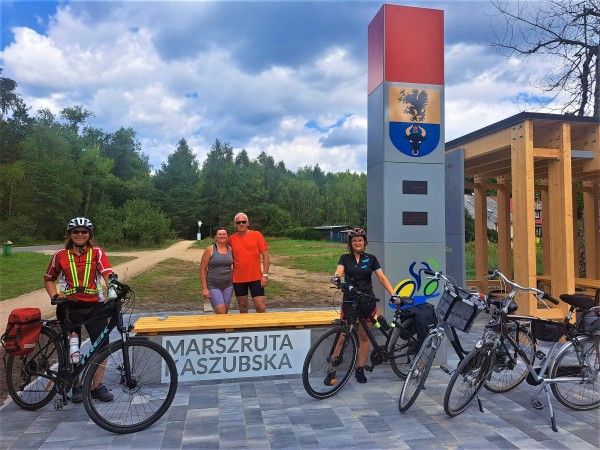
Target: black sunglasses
{"x":241,"y":222}
{"x":80,"y":232}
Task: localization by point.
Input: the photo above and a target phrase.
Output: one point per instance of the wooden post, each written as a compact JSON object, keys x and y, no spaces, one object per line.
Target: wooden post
{"x":575,"y":231}
{"x":523,"y":211}
{"x":504,"y":237}
{"x":561,"y":217}
{"x":590,"y":222}
{"x":481,"y":241}
{"x":546,"y":208}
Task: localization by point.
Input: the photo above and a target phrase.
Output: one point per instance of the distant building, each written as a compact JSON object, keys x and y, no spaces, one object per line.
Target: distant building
{"x":492,"y":213}
{"x":335,"y":233}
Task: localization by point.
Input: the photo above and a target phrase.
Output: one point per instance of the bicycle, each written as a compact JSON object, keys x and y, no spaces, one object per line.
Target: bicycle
{"x":331,"y":359}
{"x":140,"y":373}
{"x":571,"y":369}
{"x":457,"y":309}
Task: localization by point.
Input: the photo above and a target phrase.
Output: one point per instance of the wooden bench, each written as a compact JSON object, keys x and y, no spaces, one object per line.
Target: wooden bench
{"x":231,"y":322}
{"x":586,"y":285}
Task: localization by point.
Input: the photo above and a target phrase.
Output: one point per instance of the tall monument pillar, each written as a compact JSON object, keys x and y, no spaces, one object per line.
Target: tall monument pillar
{"x":406,"y":160}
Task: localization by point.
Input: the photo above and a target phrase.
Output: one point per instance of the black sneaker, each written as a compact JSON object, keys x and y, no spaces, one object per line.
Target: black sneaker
{"x":330,"y":378}
{"x":360,"y":375}
{"x":336,"y":361}
{"x":77,"y":396}
{"x":101,"y":393}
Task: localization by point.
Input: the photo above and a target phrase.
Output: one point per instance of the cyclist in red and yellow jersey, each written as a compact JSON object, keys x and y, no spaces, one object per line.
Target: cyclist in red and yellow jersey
{"x":79,"y":267}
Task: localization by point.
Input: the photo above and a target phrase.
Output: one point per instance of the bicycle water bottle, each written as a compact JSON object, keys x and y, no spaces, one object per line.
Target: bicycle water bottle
{"x":382,"y":323}
{"x":74,"y":348}
{"x":112,"y":292}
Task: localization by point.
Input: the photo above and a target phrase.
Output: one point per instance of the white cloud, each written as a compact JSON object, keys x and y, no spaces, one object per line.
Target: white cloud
{"x":126,"y":64}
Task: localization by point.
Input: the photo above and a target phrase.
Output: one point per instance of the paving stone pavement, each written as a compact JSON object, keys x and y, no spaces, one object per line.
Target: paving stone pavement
{"x":278,"y":414}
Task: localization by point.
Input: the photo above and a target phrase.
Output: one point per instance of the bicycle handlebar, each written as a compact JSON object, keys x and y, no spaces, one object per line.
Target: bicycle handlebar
{"x":343,"y":286}
{"x":540,"y":295}
{"x":112,"y":280}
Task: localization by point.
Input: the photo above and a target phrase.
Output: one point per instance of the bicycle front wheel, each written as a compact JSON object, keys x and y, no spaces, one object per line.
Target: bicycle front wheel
{"x":142,"y":377}
{"x":580,"y":360}
{"x":25,"y":375}
{"x":403,"y":348}
{"x":467,"y":380}
{"x":329,"y":363}
{"x":510,"y":369}
{"x":417,"y":373}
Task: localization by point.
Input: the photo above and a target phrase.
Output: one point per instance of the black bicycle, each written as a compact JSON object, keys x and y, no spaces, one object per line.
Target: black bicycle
{"x":139,"y":373}
{"x":332,"y":358}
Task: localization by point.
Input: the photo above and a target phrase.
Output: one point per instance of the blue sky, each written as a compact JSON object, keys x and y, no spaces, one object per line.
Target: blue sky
{"x":285,"y":77}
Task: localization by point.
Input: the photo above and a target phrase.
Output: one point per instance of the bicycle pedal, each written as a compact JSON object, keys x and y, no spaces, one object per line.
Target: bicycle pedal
{"x":58,"y":404}
{"x":369,"y":368}
{"x":446,"y":369}
{"x":537,"y":404}
{"x":540,"y":354}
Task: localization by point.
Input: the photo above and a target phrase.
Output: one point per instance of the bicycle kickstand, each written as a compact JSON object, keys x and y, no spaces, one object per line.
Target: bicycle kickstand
{"x":480,"y":404}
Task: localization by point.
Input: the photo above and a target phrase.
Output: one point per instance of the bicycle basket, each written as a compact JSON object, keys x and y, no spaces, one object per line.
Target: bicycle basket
{"x":457,"y":310}
{"x":547,"y":330}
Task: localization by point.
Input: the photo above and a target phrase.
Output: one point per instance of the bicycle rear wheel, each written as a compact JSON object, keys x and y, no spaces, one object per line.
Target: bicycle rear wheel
{"x":138,"y":403}
{"x":403,"y":348}
{"x":25,"y":374}
{"x":580,"y":360}
{"x":329,"y":363}
{"x":509,"y":367}
{"x":418,"y":372}
{"x":467,"y":380}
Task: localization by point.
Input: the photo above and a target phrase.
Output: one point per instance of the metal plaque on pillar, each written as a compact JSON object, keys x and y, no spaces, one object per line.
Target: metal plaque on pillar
{"x":406,"y":161}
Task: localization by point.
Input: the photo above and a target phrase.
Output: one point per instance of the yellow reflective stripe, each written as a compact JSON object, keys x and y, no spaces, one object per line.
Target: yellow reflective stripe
{"x":86,"y":275}
{"x":88,"y":268}
{"x":73,"y":270}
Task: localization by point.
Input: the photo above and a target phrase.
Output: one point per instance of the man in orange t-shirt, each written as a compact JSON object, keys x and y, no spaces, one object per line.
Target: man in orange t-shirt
{"x":248,"y":246}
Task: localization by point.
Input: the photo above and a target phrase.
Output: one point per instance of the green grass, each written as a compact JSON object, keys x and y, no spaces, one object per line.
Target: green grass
{"x":173,"y":284}
{"x":493,"y":258}
{"x":311,"y":256}
{"x":177,"y":280}
{"x":23,"y":272}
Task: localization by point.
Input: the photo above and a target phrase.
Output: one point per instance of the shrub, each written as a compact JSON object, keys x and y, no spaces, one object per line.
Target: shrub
{"x":305,"y":234}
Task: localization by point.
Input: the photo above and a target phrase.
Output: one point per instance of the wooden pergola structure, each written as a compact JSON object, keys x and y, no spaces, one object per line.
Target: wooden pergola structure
{"x":546,"y":156}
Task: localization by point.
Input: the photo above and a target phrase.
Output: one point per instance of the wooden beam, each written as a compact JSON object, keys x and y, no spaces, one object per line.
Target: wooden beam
{"x":523,"y":211}
{"x":486,"y":144}
{"x":504,"y":230}
{"x":591,"y":230}
{"x":546,"y":153}
{"x":481,"y":241}
{"x":561,"y":218}
{"x":546,"y":208}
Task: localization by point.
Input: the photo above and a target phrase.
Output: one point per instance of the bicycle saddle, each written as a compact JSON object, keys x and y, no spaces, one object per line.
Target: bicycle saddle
{"x":578,"y":300}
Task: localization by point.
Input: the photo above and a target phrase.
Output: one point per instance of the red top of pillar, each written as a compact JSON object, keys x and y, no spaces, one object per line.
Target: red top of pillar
{"x":406,"y":44}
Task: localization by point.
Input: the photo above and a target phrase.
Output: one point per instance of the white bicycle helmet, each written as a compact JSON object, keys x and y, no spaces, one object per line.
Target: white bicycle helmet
{"x":80,"y":222}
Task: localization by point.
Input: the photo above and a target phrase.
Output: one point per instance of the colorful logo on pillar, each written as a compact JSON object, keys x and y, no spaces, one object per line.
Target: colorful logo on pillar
{"x":418,"y":286}
{"x":414,"y":120}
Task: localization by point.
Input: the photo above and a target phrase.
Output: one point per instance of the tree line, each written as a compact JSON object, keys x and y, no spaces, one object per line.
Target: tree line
{"x":53,"y":168}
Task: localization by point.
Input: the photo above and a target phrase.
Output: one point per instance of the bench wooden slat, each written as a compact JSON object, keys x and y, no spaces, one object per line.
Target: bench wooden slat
{"x":230,"y":322}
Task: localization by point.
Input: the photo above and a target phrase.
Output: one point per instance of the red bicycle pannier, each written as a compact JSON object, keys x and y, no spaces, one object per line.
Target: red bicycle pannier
{"x":22,"y":331}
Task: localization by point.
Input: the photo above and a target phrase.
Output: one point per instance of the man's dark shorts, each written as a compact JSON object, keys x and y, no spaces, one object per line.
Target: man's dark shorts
{"x":256,"y":290}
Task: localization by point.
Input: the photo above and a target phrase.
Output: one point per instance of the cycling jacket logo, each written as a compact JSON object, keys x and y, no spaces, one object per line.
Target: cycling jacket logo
{"x":414,"y":120}
{"x":418,"y":284}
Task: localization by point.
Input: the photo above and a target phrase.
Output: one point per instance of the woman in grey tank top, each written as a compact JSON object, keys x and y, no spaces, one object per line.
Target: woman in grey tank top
{"x":215,"y":273}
